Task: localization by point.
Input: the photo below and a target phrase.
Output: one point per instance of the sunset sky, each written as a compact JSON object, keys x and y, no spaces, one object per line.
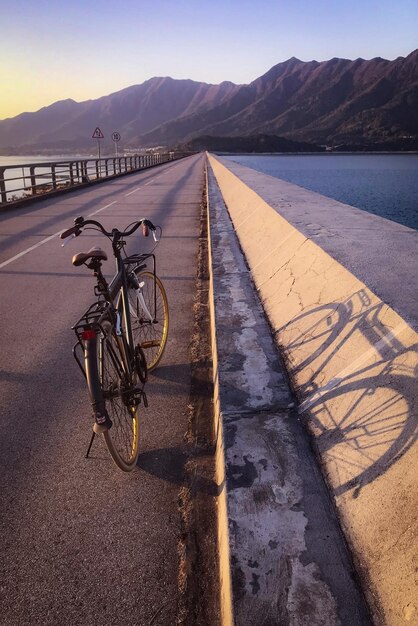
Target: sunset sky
{"x":55,"y":49}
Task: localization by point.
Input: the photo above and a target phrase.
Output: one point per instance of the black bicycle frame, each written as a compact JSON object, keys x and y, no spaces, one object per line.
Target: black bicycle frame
{"x":102,"y":322}
{"x":88,"y":329}
{"x":119,"y":285}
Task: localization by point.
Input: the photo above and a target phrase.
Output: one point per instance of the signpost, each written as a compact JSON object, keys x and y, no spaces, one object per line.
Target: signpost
{"x":116,"y":138}
{"x":98,"y":135}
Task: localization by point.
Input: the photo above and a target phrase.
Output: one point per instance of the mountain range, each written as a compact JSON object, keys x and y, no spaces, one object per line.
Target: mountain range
{"x":332,"y":103}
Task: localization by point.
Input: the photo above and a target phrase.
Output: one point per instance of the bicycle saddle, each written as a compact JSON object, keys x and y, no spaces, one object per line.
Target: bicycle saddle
{"x":93,"y":253}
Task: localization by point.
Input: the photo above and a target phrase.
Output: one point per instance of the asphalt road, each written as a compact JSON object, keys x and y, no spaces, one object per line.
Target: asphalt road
{"x":80,"y":541}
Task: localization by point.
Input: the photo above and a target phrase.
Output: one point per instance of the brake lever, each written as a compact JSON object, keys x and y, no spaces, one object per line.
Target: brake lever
{"x":68,"y":239}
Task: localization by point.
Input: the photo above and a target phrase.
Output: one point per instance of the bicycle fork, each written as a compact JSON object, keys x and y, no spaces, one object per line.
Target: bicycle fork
{"x":137,"y":287}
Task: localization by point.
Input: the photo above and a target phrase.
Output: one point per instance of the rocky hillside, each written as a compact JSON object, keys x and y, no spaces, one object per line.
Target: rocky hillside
{"x":132,"y":112}
{"x":329,"y":103}
{"x":334,"y":102}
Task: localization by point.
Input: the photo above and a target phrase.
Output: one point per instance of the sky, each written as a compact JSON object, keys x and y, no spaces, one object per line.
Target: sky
{"x":83,"y":49}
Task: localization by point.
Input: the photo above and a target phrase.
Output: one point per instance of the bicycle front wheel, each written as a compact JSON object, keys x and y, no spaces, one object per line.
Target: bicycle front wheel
{"x":122,"y":439}
{"x":149,"y":316}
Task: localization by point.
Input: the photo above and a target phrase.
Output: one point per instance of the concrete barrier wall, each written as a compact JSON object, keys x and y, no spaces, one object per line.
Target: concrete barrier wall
{"x":225,"y":591}
{"x":353,"y":363}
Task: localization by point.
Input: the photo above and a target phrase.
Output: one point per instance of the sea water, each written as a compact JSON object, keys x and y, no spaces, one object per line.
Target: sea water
{"x":383,"y":184}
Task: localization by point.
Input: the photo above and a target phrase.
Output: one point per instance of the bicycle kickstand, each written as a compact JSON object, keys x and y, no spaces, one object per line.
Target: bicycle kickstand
{"x":90,"y":445}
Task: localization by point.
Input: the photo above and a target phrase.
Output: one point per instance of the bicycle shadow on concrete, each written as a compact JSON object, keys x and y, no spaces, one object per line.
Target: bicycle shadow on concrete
{"x":355,"y":377}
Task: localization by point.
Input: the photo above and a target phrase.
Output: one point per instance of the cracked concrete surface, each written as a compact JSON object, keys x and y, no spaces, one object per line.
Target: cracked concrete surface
{"x":352,"y":359}
{"x":288,"y":561}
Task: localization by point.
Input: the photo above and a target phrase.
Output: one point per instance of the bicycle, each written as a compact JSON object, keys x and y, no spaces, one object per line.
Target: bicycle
{"x":129,"y":318}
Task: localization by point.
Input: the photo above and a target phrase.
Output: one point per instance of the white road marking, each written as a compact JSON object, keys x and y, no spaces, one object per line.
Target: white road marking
{"x":140,"y":187}
{"x":149,"y":182}
{"x":41,"y":243}
{"x":133,"y":191}
{"x":102,"y":209}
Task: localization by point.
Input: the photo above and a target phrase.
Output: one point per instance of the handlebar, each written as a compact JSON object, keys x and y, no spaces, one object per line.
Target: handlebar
{"x":71,"y":231}
{"x":80,"y":223}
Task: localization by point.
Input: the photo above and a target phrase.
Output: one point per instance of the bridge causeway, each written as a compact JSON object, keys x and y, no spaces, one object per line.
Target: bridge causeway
{"x":314,"y":348}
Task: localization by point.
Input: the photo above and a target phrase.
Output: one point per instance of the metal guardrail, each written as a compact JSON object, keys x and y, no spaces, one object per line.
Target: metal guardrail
{"x":25,"y":181}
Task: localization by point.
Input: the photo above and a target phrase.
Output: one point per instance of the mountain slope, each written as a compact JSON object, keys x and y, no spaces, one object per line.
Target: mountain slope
{"x":132,"y":111}
{"x":331,"y":102}
{"x":334,"y":101}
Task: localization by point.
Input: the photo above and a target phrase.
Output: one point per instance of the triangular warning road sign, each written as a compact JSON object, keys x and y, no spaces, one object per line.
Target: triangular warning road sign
{"x":97,"y":134}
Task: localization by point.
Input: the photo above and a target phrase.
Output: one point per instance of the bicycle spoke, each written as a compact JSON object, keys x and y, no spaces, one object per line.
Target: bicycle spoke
{"x":151,"y":335}
{"x":122,"y":438}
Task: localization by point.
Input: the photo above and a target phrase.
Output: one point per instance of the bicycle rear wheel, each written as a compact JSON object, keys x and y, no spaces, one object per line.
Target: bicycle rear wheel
{"x":122,"y":439}
{"x":149,"y":316}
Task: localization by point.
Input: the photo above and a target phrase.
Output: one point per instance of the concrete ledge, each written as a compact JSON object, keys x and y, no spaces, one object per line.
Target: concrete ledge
{"x":223,"y":536}
{"x":353,"y":362}
{"x":282,"y":557}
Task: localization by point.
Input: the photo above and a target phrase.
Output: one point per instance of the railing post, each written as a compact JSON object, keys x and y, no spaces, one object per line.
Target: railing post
{"x":71,"y":173}
{"x":3,"y":194}
{"x":54,"y":177}
{"x":32,"y":179}
{"x":97,"y":168}
{"x":107,"y":167}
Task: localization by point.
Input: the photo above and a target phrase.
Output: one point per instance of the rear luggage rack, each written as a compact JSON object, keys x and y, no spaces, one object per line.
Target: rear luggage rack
{"x":92,"y":319}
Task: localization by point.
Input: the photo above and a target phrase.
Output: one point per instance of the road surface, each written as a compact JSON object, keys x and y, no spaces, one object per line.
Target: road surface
{"x":81,"y":542}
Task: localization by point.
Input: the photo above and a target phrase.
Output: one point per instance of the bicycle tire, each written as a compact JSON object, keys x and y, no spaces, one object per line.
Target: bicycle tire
{"x":122,"y":439}
{"x":150,"y":335}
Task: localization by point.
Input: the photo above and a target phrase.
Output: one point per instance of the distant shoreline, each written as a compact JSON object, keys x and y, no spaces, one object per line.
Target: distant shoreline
{"x":58,"y":157}
{"x":322,"y":153}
